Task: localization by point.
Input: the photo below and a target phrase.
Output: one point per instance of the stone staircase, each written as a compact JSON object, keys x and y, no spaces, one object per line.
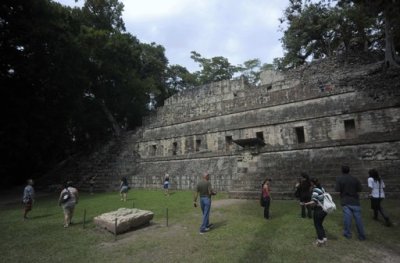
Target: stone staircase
{"x":109,"y":164}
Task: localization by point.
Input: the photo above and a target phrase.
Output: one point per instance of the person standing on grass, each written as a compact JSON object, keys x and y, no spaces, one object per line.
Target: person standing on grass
{"x":68,"y":206}
{"x":92,"y":181}
{"x":376,"y":184}
{"x":266,"y":193}
{"x":349,"y":186}
{"x":316,"y":202}
{"x":28,"y":198}
{"x":305,"y":195}
{"x":204,"y":190}
{"x":166,"y":184}
{"x":123,"y":188}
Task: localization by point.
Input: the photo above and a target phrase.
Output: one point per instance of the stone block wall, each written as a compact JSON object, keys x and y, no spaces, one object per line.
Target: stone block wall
{"x":313,"y":119}
{"x":310,"y":120}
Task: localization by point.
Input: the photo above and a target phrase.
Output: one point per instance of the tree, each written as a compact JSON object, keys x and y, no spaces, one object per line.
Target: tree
{"x":310,"y":32}
{"x":179,"y":79}
{"x":212,"y":70}
{"x":70,"y":78}
{"x":251,"y":70}
{"x":41,"y":75}
{"x":153,"y":71}
{"x":318,"y":30}
{"x":386,"y":11}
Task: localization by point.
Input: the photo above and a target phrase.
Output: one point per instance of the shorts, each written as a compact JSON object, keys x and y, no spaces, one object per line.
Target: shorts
{"x":166,"y":185}
{"x":68,"y":207}
{"x":28,"y":205}
{"x":124,"y":189}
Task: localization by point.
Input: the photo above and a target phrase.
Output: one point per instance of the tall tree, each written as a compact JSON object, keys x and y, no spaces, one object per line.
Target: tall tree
{"x":41,"y":75}
{"x":317,"y":29}
{"x":69,"y":79}
{"x":178,"y":79}
{"x":386,"y":11}
{"x":310,"y":32}
{"x":214,"y":69}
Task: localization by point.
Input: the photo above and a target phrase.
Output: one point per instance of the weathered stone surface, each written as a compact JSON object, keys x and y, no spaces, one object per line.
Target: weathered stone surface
{"x":123,"y":220}
{"x":312,"y":119}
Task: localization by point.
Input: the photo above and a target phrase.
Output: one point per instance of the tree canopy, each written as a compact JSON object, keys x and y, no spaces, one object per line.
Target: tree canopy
{"x":70,"y":78}
{"x":326,"y":28}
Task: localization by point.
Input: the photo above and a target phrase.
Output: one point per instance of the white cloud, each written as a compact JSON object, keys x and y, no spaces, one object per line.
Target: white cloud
{"x":237,"y":30}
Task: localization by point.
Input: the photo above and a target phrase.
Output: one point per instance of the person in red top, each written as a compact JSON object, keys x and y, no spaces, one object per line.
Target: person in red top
{"x":266,"y":196}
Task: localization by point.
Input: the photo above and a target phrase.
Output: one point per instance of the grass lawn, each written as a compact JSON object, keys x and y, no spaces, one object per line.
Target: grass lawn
{"x":240,"y":233}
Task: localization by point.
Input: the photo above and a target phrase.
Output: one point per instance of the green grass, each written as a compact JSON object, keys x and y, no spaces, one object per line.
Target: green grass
{"x":240,"y":234}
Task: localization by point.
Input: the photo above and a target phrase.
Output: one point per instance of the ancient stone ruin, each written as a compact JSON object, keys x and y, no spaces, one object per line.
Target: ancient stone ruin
{"x":312,"y":119}
{"x":123,"y":220}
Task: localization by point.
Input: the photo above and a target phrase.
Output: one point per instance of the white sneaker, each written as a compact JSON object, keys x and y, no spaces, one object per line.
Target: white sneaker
{"x":319,"y":243}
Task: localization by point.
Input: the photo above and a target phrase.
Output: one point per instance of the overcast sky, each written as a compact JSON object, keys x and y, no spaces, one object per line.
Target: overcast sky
{"x":238,"y":30}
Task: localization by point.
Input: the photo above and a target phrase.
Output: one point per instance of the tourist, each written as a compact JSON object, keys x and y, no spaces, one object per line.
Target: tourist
{"x":316,"y":202}
{"x":349,"y":186}
{"x":68,"y":199}
{"x":123,"y":188}
{"x":92,"y":181}
{"x":28,"y":197}
{"x":297,"y":188}
{"x":305,"y":195}
{"x":166,"y":184}
{"x":204,"y":190}
{"x":266,"y":195}
{"x":376,"y":184}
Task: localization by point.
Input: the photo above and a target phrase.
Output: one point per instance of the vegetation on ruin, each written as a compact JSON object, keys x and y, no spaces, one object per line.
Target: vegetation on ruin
{"x":71,"y":78}
{"x":240,"y":233}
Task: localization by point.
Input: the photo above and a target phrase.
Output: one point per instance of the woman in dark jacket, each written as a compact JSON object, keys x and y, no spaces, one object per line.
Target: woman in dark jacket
{"x":305,"y":195}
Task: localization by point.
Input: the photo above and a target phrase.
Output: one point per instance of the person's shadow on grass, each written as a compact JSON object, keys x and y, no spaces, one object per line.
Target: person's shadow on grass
{"x":218,"y":224}
{"x":41,"y":216}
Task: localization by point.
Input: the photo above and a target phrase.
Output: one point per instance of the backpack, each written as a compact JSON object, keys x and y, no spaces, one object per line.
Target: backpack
{"x":65,"y":196}
{"x":328,"y":206}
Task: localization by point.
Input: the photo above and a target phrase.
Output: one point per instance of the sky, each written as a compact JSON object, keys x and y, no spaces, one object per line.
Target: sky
{"x":238,"y":30}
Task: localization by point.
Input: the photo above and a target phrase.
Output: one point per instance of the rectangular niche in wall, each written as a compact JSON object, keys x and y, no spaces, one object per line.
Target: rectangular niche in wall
{"x":228,"y":142}
{"x":349,"y":126}
{"x":260,"y":135}
{"x":300,"y":134}
{"x":153,"y":150}
{"x":174,"y":148}
{"x":198,"y":145}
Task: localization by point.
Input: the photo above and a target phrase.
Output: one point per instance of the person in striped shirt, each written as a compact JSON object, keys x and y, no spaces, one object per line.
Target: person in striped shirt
{"x":317,"y":200}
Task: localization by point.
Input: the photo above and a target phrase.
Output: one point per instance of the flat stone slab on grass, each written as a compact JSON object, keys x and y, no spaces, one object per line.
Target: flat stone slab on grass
{"x":127,"y":219}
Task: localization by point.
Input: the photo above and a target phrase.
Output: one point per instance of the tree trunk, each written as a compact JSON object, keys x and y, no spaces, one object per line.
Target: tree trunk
{"x":391,"y":58}
{"x":110,"y":117}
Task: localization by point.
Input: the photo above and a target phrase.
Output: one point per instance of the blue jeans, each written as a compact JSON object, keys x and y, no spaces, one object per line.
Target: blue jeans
{"x":350,"y":211}
{"x":205,"y":204}
{"x":319,"y":216}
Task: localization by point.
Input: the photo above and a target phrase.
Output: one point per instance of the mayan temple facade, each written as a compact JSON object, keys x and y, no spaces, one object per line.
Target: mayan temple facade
{"x":312,"y":119}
